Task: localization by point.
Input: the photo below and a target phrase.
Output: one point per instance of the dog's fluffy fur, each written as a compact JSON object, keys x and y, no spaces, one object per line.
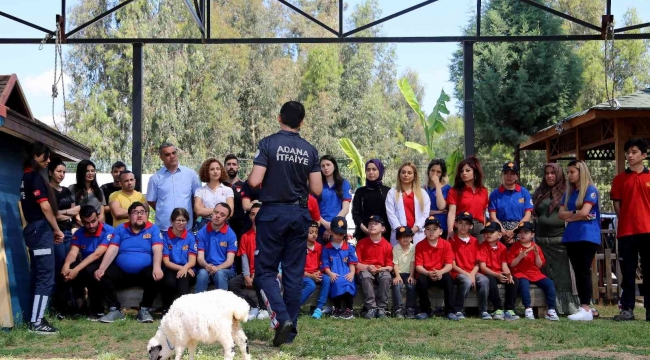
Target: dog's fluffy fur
{"x":208,"y":317}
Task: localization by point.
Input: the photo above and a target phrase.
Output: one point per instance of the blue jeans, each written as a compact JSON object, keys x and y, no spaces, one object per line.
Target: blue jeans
{"x":62,"y":290}
{"x":219,"y":279}
{"x":309,"y":286}
{"x":545,"y":284}
{"x":410,"y":293}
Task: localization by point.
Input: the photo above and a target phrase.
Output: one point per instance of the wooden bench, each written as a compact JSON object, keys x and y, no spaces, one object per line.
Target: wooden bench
{"x":131,"y":297}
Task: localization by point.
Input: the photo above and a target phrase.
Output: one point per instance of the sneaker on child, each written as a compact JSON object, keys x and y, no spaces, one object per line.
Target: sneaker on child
{"x":381,"y":313}
{"x":552,"y":315}
{"x":498,"y":315}
{"x":42,"y":328}
{"x":113,"y":315}
{"x":318,"y":313}
{"x":399,"y":313}
{"x":410,"y":313}
{"x":510,"y":315}
{"x":485,"y":316}
{"x":625,"y":315}
{"x":460,"y":315}
{"x":582,"y":315}
{"x":529,"y":314}
{"x":371,"y":314}
{"x":252,"y":314}
{"x":452,"y":317}
{"x":263,"y":315}
{"x":144,"y":316}
{"x":347,"y":314}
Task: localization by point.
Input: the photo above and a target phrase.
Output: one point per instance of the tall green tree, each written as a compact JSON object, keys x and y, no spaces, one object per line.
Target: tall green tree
{"x":520,"y":87}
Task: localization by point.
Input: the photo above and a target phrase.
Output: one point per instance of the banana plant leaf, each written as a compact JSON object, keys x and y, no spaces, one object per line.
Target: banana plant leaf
{"x":357,"y":164}
{"x":420,"y":148}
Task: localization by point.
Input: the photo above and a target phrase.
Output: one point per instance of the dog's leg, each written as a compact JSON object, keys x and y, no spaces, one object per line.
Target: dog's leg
{"x":191,"y":348}
{"x":241,"y":340}
{"x":228,"y":346}
{"x":179,"y":352}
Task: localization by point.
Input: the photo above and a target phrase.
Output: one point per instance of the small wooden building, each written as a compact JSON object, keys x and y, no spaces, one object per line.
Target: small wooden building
{"x":597,"y":133}
{"x":18,"y":128}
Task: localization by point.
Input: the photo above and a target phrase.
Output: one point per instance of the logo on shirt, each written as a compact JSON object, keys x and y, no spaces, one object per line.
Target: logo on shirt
{"x":185,"y":247}
{"x":521,"y":200}
{"x":289,"y":154}
{"x":160,"y":236}
{"x":195,"y":247}
{"x":345,"y":259}
{"x":593,"y":195}
{"x":109,"y":237}
{"x":257,"y":153}
{"x":37,"y":193}
{"x":223,"y":243}
{"x":146,"y":236}
{"x":170,"y":246}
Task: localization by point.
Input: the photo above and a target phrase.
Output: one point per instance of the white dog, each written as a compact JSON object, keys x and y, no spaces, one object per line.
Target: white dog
{"x":208,"y":317}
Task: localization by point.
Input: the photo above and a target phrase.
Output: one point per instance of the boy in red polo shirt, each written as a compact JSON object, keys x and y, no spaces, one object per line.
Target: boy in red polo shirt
{"x":493,"y":263}
{"x":433,"y":262}
{"x":526,"y":259}
{"x":631,"y":196}
{"x":244,"y":280}
{"x":465,"y":267}
{"x":375,"y":257}
{"x":313,"y":275}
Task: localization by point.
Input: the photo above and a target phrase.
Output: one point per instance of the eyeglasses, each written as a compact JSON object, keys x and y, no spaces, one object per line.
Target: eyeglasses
{"x":138,"y":212}
{"x":180,"y":221}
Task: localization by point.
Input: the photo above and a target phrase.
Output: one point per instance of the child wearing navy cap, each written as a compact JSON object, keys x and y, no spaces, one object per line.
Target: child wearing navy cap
{"x":493,"y":263}
{"x":404,"y":270}
{"x":375,"y":257}
{"x":526,"y":259}
{"x":339,"y":260}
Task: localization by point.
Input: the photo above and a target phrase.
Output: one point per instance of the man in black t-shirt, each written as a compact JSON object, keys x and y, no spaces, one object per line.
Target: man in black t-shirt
{"x":109,"y":188}
{"x":244,"y":194}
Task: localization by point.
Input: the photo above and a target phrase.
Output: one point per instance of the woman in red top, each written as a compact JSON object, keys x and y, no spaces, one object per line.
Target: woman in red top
{"x":468,"y":195}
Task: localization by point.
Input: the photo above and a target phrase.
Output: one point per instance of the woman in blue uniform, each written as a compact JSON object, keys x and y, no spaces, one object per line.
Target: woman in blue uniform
{"x":335,"y":198}
{"x":41,"y":233}
{"x":580,"y":209}
{"x":510,"y":204}
{"x":437,"y":187}
{"x":179,"y":258}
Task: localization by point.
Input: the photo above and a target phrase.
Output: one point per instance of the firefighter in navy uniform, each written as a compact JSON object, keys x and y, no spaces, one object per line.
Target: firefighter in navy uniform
{"x":41,"y":233}
{"x":283,"y":164}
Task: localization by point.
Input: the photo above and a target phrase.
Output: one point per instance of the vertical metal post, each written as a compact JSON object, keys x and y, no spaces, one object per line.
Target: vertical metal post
{"x":208,"y":25}
{"x":609,"y":7}
{"x":478,"y":17}
{"x":63,"y":18}
{"x":202,"y":16}
{"x":340,"y":18}
{"x":136,"y":154}
{"x":468,"y":90}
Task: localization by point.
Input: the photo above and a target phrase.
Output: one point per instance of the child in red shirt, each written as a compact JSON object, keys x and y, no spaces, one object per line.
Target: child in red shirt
{"x":433,"y":262}
{"x":525,"y":259}
{"x":465,"y":267}
{"x":493,"y":263}
{"x":244,"y":280}
{"x":313,"y":275}
{"x":375,"y":257}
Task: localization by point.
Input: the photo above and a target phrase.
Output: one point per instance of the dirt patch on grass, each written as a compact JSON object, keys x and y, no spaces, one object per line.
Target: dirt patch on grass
{"x":604,"y":354}
{"x":513,"y":340}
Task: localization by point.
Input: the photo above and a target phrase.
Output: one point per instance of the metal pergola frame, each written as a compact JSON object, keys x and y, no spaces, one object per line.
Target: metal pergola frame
{"x":200,"y":11}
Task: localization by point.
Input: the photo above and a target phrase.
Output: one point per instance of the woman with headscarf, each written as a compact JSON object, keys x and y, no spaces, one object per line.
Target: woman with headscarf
{"x":550,"y":229}
{"x":370,"y":200}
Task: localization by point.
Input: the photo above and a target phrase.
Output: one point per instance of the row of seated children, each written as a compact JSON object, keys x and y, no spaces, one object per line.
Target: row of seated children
{"x":455,"y":266}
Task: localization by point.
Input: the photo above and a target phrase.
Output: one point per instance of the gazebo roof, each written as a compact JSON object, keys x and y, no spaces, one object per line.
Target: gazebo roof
{"x":636,"y":104}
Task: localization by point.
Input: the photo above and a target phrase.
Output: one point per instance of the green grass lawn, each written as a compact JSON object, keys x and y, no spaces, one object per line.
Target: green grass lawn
{"x":361,"y":339}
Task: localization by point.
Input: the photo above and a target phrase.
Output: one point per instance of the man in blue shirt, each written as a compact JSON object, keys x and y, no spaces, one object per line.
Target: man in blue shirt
{"x":136,"y":248}
{"x":283,"y":163}
{"x":171,"y":187}
{"x":217,"y":247}
{"x":510,"y":203}
{"x":89,"y":243}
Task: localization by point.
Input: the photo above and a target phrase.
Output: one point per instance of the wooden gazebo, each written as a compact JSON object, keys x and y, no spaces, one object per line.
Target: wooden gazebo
{"x":597,"y":133}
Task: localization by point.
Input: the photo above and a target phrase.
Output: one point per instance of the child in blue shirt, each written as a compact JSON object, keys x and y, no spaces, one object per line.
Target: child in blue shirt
{"x":339,"y":261}
{"x":179,"y":258}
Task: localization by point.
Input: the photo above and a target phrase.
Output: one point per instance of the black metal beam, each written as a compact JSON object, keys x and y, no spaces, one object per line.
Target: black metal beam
{"x":136,"y":154}
{"x":25,"y":22}
{"x":562,"y":15}
{"x":304,"y":14}
{"x":64,"y":18}
{"x":384,"y":19}
{"x":478,"y":17}
{"x":632,"y":27}
{"x":195,"y":16}
{"x":322,"y":40}
{"x":197,"y":8}
{"x":609,"y":7}
{"x":97,"y":18}
{"x":340,"y":18}
{"x":468,"y":91}
{"x":208,"y":23}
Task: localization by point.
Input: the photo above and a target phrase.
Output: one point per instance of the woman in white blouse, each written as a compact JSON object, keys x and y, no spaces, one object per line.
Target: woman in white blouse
{"x":213,"y":192}
{"x":407,"y":204}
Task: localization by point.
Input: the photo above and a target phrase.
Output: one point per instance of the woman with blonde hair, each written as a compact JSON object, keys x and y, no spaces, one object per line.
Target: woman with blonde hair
{"x":407,"y":204}
{"x":580,"y":209}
